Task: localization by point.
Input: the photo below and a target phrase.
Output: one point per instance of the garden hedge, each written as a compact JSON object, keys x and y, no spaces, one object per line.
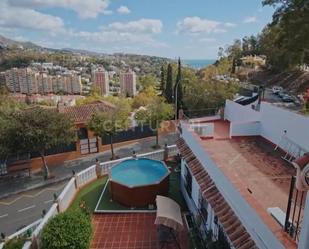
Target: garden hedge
{"x":71,"y":229}
{"x":14,"y":244}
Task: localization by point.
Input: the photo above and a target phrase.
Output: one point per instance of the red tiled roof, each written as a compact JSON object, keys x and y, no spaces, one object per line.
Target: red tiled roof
{"x":236,"y":232}
{"x":81,"y":114}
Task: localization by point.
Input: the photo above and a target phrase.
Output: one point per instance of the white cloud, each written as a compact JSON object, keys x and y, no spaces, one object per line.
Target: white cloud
{"x":139,"y":32}
{"x":208,"y":40}
{"x":196,"y":25}
{"x":85,"y":9}
{"x":123,"y":10}
{"x":146,"y":26}
{"x":251,"y":19}
{"x":21,"y":18}
{"x":230,"y":25}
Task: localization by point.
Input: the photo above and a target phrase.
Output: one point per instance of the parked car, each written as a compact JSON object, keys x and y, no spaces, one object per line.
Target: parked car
{"x":277,"y":89}
{"x":282,"y":93}
{"x":287,"y":98}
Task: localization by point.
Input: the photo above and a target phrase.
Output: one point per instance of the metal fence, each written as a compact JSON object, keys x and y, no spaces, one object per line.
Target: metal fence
{"x":137,"y":132}
{"x":56,"y":150}
{"x":68,"y":194}
{"x":197,"y":113}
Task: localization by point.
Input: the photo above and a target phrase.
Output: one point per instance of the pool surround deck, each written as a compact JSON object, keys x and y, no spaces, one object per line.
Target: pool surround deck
{"x":129,"y":231}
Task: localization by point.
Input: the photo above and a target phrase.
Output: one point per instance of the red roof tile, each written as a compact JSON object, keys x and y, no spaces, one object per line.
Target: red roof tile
{"x":81,"y":114}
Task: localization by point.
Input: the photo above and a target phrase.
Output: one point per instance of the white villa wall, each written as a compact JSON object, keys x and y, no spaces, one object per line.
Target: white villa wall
{"x":245,"y":129}
{"x":195,"y":192}
{"x":234,"y":112}
{"x":275,"y":120}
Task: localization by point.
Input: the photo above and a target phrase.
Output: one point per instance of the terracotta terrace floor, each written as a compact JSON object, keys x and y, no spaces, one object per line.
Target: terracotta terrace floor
{"x":258,"y":172}
{"x":129,"y":231}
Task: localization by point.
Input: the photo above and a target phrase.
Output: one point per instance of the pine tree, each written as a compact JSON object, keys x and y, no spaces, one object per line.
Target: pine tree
{"x":179,"y":90}
{"x":162,"y":81}
{"x":168,"y":93}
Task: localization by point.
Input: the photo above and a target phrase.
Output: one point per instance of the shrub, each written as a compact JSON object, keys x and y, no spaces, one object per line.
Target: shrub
{"x":14,"y":244}
{"x":71,"y":229}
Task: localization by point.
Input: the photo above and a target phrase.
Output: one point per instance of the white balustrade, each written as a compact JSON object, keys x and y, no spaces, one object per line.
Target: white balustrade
{"x":27,"y":245}
{"x":67,"y":195}
{"x":52,"y":212}
{"x":86,"y":176}
{"x":22,"y":232}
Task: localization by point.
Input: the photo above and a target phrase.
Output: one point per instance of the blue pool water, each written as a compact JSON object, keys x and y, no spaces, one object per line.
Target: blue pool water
{"x":137,"y":172}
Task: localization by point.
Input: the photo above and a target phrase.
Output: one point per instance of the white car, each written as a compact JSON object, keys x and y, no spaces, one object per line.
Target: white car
{"x":277,"y":89}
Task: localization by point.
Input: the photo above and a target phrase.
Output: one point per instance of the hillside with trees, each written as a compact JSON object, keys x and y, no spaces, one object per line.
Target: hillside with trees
{"x":284,"y":43}
{"x":21,"y":54}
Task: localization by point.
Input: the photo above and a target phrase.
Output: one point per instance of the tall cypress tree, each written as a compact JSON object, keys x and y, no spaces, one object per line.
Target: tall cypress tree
{"x":168,"y":93}
{"x":162,"y":81}
{"x":179,"y":91}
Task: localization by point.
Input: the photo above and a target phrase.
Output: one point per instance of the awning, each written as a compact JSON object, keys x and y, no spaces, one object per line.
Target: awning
{"x":168,"y":213}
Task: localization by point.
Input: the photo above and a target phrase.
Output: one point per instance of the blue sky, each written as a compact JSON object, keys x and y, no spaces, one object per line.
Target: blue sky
{"x":170,"y":28}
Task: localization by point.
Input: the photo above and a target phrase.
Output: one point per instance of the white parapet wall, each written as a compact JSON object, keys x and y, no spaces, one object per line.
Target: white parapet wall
{"x":273,"y":122}
{"x":234,"y":112}
{"x":276,"y":120}
{"x":252,"y":128}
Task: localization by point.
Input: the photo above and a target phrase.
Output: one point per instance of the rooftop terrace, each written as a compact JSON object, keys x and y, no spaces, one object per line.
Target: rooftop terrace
{"x":254,"y":168}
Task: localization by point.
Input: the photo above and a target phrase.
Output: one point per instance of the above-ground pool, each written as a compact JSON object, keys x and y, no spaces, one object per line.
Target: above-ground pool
{"x":137,"y":182}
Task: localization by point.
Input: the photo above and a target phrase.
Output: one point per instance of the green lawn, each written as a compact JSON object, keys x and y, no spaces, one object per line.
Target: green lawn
{"x":90,"y":194}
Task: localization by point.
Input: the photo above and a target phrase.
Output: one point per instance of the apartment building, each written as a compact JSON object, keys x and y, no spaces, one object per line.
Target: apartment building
{"x":29,"y":81}
{"x":12,"y":80}
{"x":24,"y":79}
{"x":44,"y":82}
{"x":100,"y":80}
{"x":2,"y":79}
{"x":128,"y":83}
{"x":237,"y":176}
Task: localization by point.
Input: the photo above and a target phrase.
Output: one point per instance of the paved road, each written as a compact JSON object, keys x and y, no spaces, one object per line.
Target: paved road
{"x":275,"y":99}
{"x":21,"y":210}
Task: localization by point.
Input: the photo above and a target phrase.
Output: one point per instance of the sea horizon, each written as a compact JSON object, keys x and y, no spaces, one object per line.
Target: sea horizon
{"x":198,"y":63}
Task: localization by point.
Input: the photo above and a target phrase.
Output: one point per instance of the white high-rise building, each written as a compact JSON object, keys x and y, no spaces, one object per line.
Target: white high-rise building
{"x":44,"y":83}
{"x":128,"y":83}
{"x":21,"y":80}
{"x":72,"y":83}
{"x":100,"y":80}
{"x":11,"y":80}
